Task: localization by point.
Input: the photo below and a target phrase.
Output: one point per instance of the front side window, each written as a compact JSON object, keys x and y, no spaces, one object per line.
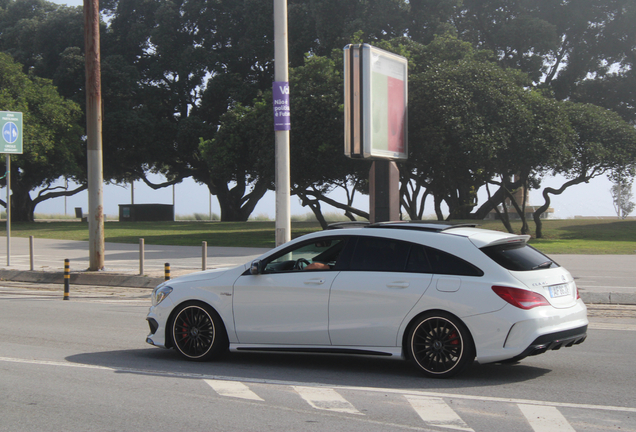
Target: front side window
{"x":321,"y":254}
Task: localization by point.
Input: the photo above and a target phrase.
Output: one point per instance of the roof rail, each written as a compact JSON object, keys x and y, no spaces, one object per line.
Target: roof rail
{"x":348,"y":224}
{"x":421,"y":225}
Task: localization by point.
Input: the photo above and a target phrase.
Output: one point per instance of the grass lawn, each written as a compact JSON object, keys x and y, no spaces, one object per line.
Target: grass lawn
{"x":569,"y":236}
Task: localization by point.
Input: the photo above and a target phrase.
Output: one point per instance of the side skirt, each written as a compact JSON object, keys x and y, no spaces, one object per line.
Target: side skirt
{"x":365,"y":351}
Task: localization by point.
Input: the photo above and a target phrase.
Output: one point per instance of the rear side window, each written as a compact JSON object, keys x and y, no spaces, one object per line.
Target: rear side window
{"x":447,"y":264}
{"x":380,"y":254}
{"x":384,"y":254}
{"x":519,"y":257}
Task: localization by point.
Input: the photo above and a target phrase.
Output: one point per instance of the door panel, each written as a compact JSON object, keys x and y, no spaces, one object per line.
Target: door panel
{"x":367,"y":308}
{"x":283,"y":308}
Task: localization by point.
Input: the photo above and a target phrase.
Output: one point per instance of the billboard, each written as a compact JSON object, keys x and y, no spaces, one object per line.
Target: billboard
{"x":376,"y":99}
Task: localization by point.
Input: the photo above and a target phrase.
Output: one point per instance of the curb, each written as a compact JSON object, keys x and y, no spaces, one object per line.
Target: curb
{"x":130,"y":281}
{"x":613,"y":298}
{"x":99,"y":279}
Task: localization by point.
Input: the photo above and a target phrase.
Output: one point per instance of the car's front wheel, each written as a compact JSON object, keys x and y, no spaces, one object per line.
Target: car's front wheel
{"x":440,"y":345}
{"x":197,"y":332}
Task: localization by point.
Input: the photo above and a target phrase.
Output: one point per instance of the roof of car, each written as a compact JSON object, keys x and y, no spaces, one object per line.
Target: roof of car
{"x":478,"y":236}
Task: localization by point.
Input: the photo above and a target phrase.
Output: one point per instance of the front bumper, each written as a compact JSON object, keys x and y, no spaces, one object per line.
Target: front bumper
{"x":157,"y":318}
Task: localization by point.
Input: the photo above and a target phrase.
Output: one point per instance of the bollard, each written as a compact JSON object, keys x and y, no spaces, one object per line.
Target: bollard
{"x":141,"y":256}
{"x":67,"y":278}
{"x":204,"y":255}
{"x":31,"y":248}
{"x":167,"y":271}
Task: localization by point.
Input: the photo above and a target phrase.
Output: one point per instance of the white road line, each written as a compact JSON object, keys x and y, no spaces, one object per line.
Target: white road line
{"x":401,"y":391}
{"x":326,"y":399}
{"x":436,"y":412}
{"x":545,"y":419}
{"x":233,"y":389}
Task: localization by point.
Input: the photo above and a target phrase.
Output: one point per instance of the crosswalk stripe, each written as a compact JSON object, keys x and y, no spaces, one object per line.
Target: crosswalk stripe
{"x":326,"y":399}
{"x":545,"y":418}
{"x":435,"y":412}
{"x":233,"y":389}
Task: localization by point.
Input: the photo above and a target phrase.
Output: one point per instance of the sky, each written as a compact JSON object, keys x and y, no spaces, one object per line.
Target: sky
{"x":592,"y":199}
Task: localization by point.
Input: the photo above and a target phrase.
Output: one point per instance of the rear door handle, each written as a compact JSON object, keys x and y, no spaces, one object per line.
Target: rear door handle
{"x":398,"y":284}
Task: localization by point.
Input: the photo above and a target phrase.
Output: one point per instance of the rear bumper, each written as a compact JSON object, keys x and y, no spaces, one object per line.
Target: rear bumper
{"x":554,"y":341}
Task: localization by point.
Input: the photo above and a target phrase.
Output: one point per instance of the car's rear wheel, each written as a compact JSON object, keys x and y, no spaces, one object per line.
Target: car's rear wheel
{"x":197,"y":332}
{"x":440,"y":345}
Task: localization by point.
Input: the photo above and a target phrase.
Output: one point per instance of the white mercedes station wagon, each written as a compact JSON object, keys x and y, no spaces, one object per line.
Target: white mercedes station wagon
{"x":438,"y":295}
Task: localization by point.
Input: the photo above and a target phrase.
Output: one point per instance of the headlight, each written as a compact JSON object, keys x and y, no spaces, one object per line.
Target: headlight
{"x":160,"y":293}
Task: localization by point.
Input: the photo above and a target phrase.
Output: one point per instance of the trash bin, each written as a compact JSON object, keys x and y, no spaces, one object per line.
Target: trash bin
{"x":146,"y":212}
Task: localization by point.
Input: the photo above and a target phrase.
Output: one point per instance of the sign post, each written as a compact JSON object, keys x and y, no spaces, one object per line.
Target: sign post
{"x":11,"y":142}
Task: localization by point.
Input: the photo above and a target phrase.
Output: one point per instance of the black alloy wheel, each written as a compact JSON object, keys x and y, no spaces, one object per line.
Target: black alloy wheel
{"x":440,"y":345}
{"x":197,"y":332}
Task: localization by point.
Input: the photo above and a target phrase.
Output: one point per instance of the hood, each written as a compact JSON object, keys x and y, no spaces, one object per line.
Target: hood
{"x":199,"y":276}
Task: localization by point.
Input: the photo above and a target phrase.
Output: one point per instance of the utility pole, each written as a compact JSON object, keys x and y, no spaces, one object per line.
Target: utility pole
{"x":94,"y":136}
{"x":281,"y":78}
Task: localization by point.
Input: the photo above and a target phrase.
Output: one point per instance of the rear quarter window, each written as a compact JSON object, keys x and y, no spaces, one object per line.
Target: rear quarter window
{"x":519,"y":257}
{"x":447,"y":264}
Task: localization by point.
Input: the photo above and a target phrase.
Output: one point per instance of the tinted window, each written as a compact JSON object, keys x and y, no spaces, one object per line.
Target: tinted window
{"x":380,"y":254}
{"x":519,"y":257}
{"x":444,"y":263}
{"x":418,"y":261}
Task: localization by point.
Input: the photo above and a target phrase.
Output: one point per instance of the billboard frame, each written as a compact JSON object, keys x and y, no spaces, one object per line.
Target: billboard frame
{"x":376,"y":103}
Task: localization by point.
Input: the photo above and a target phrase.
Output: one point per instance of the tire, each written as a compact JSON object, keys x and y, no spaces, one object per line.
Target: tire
{"x":197,"y":332}
{"x":440,"y":345}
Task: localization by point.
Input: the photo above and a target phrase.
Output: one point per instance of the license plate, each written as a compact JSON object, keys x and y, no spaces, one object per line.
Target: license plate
{"x":559,"y":290}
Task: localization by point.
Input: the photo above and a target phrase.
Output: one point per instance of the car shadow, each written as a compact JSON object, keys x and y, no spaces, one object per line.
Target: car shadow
{"x":330,"y":370}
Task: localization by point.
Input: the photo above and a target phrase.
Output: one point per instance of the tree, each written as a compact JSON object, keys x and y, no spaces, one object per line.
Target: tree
{"x":52,"y":142}
{"x":603,"y":143}
{"x":318,"y":163}
{"x":471,"y":122}
{"x":622,"y":197}
{"x":240,"y":159}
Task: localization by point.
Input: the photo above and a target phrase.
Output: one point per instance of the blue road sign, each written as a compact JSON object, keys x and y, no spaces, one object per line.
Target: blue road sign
{"x":11,"y":125}
{"x":10,"y":132}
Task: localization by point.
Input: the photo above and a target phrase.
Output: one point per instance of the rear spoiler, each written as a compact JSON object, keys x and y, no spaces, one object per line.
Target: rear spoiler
{"x":509,"y":240}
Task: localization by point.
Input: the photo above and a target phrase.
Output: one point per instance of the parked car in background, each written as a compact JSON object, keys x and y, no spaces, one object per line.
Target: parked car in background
{"x":438,"y":295}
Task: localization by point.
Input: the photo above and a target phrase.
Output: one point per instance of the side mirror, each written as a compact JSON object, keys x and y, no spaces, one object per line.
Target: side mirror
{"x":256,"y":267}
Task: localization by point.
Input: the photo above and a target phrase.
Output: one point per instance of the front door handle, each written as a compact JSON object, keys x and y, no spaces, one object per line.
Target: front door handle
{"x":314,"y":282}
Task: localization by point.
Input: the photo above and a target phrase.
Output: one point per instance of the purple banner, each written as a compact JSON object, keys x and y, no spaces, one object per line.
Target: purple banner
{"x":280,"y":93}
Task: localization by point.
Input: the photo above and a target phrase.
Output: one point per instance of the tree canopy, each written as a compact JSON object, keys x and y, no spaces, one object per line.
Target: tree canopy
{"x":52,"y":143}
{"x":187,"y":83}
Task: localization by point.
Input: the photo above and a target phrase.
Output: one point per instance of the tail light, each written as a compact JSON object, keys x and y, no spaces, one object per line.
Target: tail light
{"x":520,"y":298}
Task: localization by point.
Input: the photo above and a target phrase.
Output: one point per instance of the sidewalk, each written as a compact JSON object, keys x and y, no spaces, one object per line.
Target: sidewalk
{"x":121,"y":262}
{"x":601,"y":279}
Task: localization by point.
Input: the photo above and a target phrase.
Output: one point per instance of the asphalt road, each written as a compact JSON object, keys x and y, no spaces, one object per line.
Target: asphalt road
{"x":83,"y":365}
